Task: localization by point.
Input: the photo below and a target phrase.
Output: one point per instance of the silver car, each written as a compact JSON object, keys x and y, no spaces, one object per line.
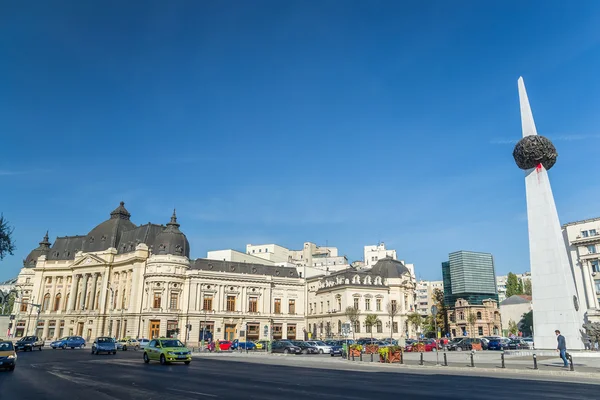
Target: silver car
{"x":321,"y":346}
{"x":104,"y":344}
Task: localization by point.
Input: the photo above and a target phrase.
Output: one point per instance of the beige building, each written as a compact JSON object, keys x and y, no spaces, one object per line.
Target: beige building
{"x":126,"y":280}
{"x":424,"y":292}
{"x":369,"y":291}
{"x":486,"y":319}
{"x":513,"y":308}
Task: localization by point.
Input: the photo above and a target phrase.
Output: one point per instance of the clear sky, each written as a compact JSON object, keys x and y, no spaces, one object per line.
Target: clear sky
{"x":339,"y":122}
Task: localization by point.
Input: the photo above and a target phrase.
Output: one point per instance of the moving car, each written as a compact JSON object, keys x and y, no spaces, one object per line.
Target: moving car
{"x":285,"y":347}
{"x":166,"y":351}
{"x":104,"y":344}
{"x":143,"y":343}
{"x":68,"y":341}
{"x":321,"y":346}
{"x":236,"y":344}
{"x":125,"y":344}
{"x":306,"y":348}
{"x":28,"y":343}
{"x":8,"y":356}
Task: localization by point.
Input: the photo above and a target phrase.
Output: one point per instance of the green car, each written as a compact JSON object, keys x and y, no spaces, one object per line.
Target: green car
{"x":167,"y":351}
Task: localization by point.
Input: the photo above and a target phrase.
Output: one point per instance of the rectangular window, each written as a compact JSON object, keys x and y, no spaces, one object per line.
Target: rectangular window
{"x":357,"y":327}
{"x":592,"y":249}
{"x":584,"y":233}
{"x":253,"y":304}
{"x":369,"y":328}
{"x":597,"y":287}
{"x":395,"y":327}
{"x":480,"y":330}
{"x":339,"y":304}
{"x":593,"y":232}
{"x":367,"y":304}
{"x":356,"y":303}
{"x":277,"y":306}
{"x":156,"y":303}
{"x":378,"y":304}
{"x":291,"y":331}
{"x":230,"y":303}
{"x":394,"y":305}
{"x":277,"y":331}
{"x":379,"y":327}
{"x":321,"y":307}
{"x":24,"y":305}
{"x":174,"y":301}
{"x":292,"y":307}
{"x":172,"y":330}
{"x":207,"y":303}
{"x":311,"y":309}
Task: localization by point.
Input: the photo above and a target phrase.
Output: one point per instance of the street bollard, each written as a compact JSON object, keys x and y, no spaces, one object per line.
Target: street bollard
{"x":361,"y":356}
{"x":401,"y":356}
{"x":371,"y":357}
{"x":571,"y":366}
{"x":386,"y":357}
{"x":472,"y":360}
{"x":503,"y":366}
{"x":535,"y":361}
{"x":445,"y":360}
{"x":353,"y":356}
{"x":421,"y":363}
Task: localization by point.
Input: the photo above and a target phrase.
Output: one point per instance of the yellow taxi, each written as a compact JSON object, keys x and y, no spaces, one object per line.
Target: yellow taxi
{"x":167,"y":350}
{"x":8,"y":356}
{"x":261,"y":344}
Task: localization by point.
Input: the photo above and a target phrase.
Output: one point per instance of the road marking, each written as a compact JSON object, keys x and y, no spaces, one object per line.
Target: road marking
{"x":198,"y":393}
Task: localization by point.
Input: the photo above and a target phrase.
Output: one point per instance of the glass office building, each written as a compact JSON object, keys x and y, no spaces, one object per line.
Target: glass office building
{"x":469,"y":275}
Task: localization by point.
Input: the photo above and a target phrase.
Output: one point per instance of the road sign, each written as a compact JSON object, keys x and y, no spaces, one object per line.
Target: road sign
{"x":434,"y":310}
{"x":346,"y":329}
{"x":266,"y":330}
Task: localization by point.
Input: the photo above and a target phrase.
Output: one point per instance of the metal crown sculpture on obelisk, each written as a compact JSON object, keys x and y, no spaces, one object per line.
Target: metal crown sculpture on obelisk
{"x":555,"y":301}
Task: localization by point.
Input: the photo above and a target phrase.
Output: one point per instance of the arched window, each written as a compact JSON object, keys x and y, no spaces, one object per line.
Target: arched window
{"x":461,"y":316}
{"x":478,"y":314}
{"x":379,"y":327}
{"x":57,"y":302}
{"x":357,"y":326}
{"x":356,"y":280}
{"x":46,"y":303}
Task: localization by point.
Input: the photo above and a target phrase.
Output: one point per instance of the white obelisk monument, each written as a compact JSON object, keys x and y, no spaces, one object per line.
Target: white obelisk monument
{"x":555,"y":299}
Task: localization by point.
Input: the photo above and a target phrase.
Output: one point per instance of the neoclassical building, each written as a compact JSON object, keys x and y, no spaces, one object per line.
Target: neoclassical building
{"x":388,"y":284}
{"x":125,"y":280}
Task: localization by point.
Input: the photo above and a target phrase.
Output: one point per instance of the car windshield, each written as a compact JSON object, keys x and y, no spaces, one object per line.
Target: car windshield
{"x":28,"y":338}
{"x":6,"y":346}
{"x":62,"y":338}
{"x":171,"y":343}
{"x":320,"y":343}
{"x":105,"y":340}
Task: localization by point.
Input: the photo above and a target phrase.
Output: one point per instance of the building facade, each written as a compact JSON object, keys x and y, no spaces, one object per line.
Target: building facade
{"x":582,"y":239}
{"x":387,"y":285}
{"x":424,"y":293}
{"x":512,"y":309}
{"x":374,"y":253}
{"x":124,"y":280}
{"x":501,"y":283}
{"x":481,"y":319}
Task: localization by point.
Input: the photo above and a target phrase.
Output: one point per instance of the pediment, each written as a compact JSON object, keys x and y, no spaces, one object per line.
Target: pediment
{"x":89,"y":260}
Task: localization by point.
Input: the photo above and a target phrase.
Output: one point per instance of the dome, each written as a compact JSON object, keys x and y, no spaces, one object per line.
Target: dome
{"x":389,"y":268}
{"x":171,"y":240}
{"x":42,"y":249}
{"x":108,"y":233}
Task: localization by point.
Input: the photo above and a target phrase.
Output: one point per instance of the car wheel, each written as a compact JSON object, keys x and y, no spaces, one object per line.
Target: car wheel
{"x":187,"y":362}
{"x":146,"y":359}
{"x":332,"y":354}
{"x":114,"y":352}
{"x":286,"y":351}
{"x":459,"y":349}
{"x":163,"y":360}
{"x":320,"y":351}
{"x":40,"y":349}
{"x":64,"y":347}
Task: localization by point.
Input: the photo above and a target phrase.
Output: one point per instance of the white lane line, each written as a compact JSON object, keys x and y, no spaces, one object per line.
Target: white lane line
{"x":198,"y":393}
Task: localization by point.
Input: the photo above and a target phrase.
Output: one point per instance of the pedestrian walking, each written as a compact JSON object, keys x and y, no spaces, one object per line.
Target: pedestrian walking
{"x":562,"y":347}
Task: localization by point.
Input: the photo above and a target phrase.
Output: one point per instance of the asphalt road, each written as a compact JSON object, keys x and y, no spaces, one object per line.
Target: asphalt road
{"x":76,"y":374}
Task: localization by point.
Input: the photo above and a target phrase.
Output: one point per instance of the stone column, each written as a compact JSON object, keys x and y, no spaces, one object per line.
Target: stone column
{"x":103,"y":293}
{"x":73,"y":292}
{"x":84,"y":291}
{"x":93,"y":294}
{"x":590,"y":291}
{"x":133,"y":289}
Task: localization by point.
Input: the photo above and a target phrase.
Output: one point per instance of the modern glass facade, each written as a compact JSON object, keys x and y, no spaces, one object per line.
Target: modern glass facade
{"x":469,"y":275}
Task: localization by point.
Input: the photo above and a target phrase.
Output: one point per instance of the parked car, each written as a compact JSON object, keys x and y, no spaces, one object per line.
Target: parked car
{"x":517,"y":344}
{"x":306,"y":348}
{"x":8,"y":356}
{"x":530,"y":342}
{"x":224,"y":345}
{"x":262,"y":344}
{"x":29,"y":343}
{"x":464,"y":344}
{"x":321,"y":346}
{"x":166,"y":350}
{"x":68,"y":341}
{"x":337,"y":349}
{"x":286,"y":347}
{"x":498,"y":344}
{"x":429,"y":344}
{"x":484,"y":343}
{"x":236,"y":344}
{"x":104,"y":344}
{"x":125,"y":344}
{"x":143,"y":343}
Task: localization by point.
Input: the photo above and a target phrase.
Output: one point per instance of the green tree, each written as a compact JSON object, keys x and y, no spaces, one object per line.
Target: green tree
{"x":370,"y":321}
{"x":471,"y":319}
{"x":526,"y":323}
{"x":527,"y":287}
{"x":442,"y":311}
{"x":512,"y":327}
{"x":415,"y":320}
{"x":7,"y":245}
{"x":7,"y":303}
{"x":512,"y":285}
{"x":353,"y":315}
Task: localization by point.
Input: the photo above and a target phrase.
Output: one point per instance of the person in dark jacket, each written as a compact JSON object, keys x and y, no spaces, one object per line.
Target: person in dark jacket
{"x":562,"y":347}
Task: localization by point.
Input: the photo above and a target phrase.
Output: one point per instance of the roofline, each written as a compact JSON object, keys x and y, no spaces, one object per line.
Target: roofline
{"x":581,"y":222}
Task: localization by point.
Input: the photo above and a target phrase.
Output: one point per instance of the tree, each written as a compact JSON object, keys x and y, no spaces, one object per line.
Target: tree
{"x":7,"y":303}
{"x":415,"y":320}
{"x":526,"y":323}
{"x":442,"y":311}
{"x":370,"y":321}
{"x":353,"y":315}
{"x":471,"y":319}
{"x":392,"y":310}
{"x":527,"y":287}
{"x":512,"y":285}
{"x":7,"y":245}
{"x":512,"y":327}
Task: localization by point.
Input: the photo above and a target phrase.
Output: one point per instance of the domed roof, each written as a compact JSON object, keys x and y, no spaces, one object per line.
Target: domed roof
{"x":42,"y":249}
{"x":108,"y":233}
{"x":171,"y":240}
{"x":389,"y":268}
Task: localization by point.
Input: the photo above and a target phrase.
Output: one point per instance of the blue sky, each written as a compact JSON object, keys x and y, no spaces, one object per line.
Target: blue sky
{"x":339,"y":122}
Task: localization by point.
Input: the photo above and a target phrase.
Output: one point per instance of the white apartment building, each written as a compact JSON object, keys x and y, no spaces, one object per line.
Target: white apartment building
{"x":311,"y":255}
{"x":501,"y":283}
{"x":374,"y":253}
{"x":424,"y":292}
{"x":582,"y":239}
